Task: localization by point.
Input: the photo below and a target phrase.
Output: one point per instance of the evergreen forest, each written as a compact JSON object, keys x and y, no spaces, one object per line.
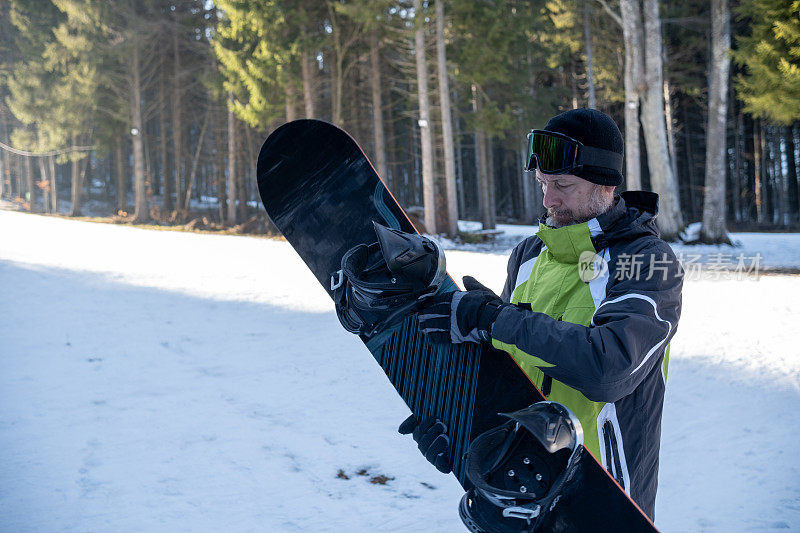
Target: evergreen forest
{"x":153,"y":111}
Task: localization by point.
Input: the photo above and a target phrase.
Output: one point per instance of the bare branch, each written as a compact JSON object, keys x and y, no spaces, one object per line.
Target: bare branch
{"x":46,"y":154}
{"x":611,"y":12}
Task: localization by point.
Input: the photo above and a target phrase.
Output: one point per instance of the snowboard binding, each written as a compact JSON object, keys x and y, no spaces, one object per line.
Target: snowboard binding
{"x":518,"y":469}
{"x":382,"y":281}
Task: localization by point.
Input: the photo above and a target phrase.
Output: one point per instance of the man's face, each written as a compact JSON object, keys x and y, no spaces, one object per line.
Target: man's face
{"x":572,"y":200}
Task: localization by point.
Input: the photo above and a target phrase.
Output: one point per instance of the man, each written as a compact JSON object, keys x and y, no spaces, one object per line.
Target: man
{"x":589,"y":306}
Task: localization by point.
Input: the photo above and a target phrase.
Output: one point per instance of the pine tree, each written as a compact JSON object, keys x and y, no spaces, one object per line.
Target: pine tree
{"x":484,"y":36}
{"x":254,"y":43}
{"x":123,"y":39}
{"x":9,"y":56}
{"x":31,"y":87}
{"x":71,"y":55}
{"x":375,"y":19}
{"x":770,"y":86}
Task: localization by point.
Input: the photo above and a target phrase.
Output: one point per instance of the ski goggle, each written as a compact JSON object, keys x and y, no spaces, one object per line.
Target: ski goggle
{"x":555,"y":153}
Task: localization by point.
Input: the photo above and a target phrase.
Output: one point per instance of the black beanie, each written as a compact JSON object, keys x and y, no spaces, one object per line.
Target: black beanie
{"x":592,"y":128}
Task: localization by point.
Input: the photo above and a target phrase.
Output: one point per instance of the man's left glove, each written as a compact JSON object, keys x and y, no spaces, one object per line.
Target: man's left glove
{"x":432,"y":440}
{"x":461,"y":316}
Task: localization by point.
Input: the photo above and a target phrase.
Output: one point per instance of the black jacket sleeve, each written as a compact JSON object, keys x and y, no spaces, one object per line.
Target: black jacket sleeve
{"x":628,"y":334}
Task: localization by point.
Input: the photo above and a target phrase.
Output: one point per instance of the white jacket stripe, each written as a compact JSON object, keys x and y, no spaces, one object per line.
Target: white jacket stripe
{"x":598,"y":285}
{"x":609,"y":412}
{"x":526,"y":268}
{"x":658,"y":317}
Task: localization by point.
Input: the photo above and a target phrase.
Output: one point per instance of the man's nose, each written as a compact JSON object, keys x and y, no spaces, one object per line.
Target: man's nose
{"x":551,"y":198}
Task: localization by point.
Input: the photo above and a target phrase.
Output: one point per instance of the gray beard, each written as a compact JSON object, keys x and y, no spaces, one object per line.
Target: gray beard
{"x":598,"y":204}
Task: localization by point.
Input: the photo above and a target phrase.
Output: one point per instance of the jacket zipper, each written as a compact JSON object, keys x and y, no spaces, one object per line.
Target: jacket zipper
{"x":612,"y":453}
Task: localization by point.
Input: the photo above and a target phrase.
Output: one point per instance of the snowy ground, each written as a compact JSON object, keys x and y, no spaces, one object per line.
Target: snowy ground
{"x":165,"y":381}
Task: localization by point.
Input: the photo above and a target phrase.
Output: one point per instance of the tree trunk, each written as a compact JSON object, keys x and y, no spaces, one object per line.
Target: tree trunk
{"x":768,"y":174}
{"x":571,"y":77}
{"x":241,"y":175}
{"x":149,"y":174}
{"x":634,"y":67}
{"x":141,"y":211}
{"x":377,"y":106}
{"x":20,"y":176}
{"x":791,"y":176}
{"x":390,"y":144}
{"x":447,"y":125}
{"x":738,"y":175}
{"x":195,"y":160}
{"x":307,"y":73}
{"x":412,"y":177}
{"x":528,"y":186}
{"x":336,"y":73}
{"x":166,"y":182}
{"x":462,"y":201}
{"x":490,"y":173}
{"x":662,"y":180}
{"x":4,"y":175}
{"x":759,"y":174}
{"x":289,"y":92}
{"x":76,"y":185}
{"x":714,"y":230}
{"x":428,"y":178}
{"x":689,"y":158}
{"x":48,"y":186}
{"x":233,"y":212}
{"x":5,"y":159}
{"x":670,"y":121}
{"x":53,"y":188}
{"x":779,"y":190}
{"x":13,"y":167}
{"x":329,"y":58}
{"x":122,"y":186}
{"x":219,"y":174}
{"x":482,"y":168}
{"x":587,"y":35}
{"x":29,"y":184}
{"x":177,"y":125}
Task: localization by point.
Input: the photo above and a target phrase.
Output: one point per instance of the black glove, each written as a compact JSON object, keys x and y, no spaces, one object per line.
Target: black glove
{"x":461,"y":316}
{"x":431,"y":438}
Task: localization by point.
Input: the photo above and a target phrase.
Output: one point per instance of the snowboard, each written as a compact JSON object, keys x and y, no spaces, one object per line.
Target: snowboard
{"x":323,"y":195}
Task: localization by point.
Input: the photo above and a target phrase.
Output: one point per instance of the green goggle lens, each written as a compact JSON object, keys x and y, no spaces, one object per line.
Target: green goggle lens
{"x":551,"y":153}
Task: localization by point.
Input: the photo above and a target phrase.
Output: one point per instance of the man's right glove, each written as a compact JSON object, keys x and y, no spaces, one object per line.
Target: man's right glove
{"x":461,"y":316}
{"x":431,"y":438}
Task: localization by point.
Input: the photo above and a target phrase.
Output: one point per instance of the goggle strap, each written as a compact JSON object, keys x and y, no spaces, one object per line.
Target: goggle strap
{"x":597,"y":157}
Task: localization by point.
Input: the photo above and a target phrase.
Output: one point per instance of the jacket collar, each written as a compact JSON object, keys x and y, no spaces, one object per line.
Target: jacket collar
{"x":632,"y":216}
{"x":568,"y":242}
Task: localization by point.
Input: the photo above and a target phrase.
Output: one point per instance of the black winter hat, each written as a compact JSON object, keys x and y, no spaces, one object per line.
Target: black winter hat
{"x":592,"y":128}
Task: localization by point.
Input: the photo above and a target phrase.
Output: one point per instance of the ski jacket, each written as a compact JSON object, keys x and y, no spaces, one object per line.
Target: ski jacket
{"x":596,"y":306}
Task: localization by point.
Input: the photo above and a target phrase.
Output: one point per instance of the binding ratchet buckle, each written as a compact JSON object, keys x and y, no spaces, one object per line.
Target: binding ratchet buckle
{"x":337,"y":278}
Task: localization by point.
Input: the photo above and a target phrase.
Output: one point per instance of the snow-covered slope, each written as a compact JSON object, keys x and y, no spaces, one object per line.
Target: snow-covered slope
{"x":164,"y":381}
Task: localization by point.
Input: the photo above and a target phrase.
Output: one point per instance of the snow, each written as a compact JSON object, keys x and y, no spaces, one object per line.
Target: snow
{"x":168,"y":381}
